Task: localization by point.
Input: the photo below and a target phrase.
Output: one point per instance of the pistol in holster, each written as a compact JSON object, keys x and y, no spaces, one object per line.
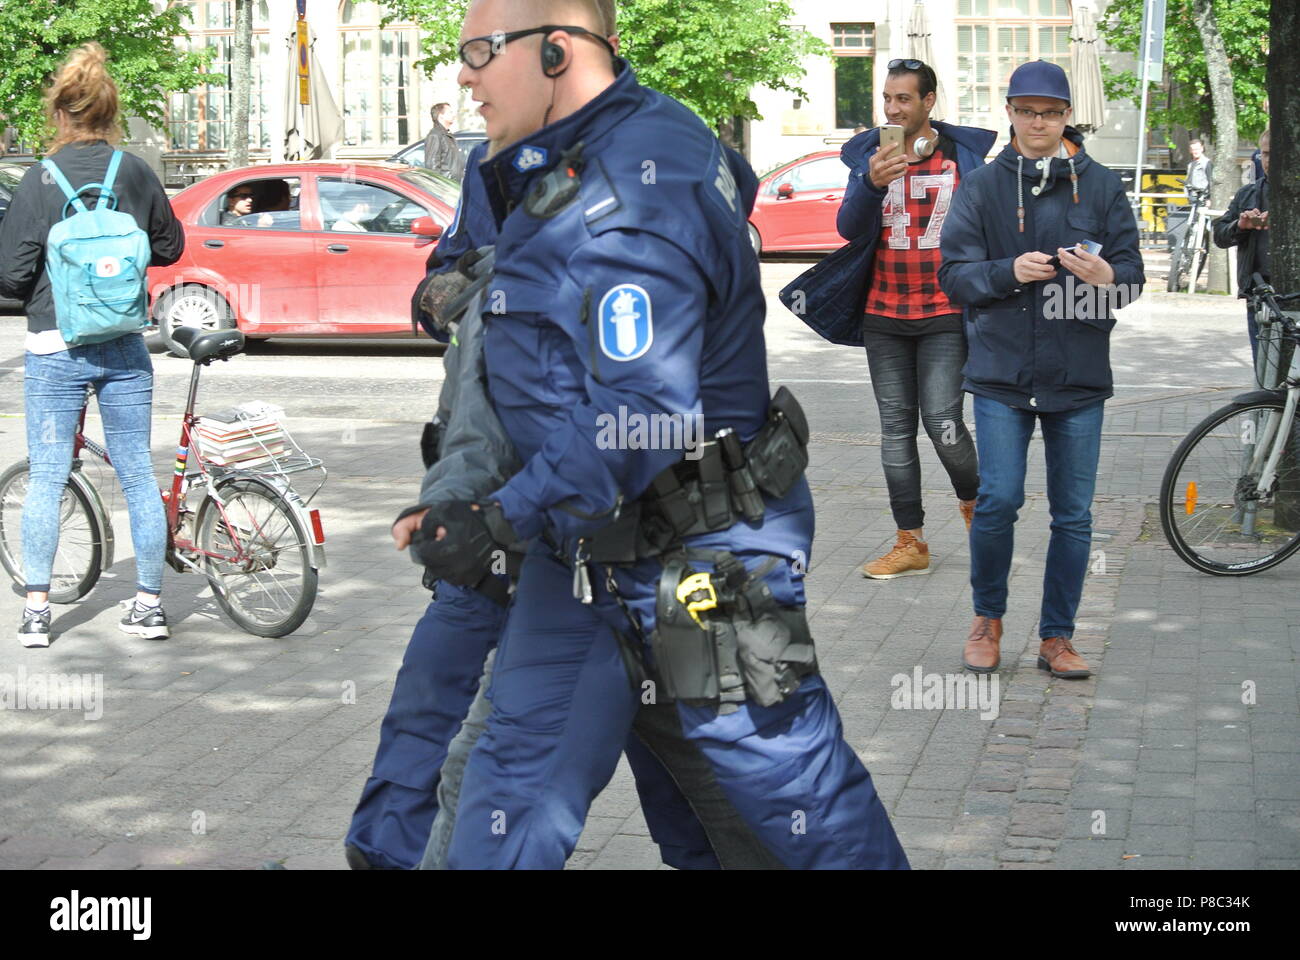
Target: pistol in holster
{"x":721,"y":637}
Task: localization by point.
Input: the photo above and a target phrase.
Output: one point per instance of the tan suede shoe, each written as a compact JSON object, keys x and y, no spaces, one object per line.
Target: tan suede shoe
{"x":1057,"y":655}
{"x":983,"y":653}
{"x":967,"y":508}
{"x":909,"y":558}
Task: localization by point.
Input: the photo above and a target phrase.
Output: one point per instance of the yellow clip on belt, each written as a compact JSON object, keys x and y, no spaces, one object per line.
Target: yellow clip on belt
{"x":697,"y":595}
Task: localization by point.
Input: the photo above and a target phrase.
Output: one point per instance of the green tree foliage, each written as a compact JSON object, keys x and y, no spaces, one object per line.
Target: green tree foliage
{"x":35,"y":36}
{"x":1244,"y":27}
{"x":707,"y":55}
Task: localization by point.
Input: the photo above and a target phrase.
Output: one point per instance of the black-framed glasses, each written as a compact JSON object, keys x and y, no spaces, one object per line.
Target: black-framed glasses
{"x":477,"y":52}
{"x":1051,"y":116}
{"x":909,"y":64}
{"x":241,"y":196}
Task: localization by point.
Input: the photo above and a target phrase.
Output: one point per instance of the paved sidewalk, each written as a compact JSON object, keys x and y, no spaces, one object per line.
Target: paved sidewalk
{"x":222,"y":750}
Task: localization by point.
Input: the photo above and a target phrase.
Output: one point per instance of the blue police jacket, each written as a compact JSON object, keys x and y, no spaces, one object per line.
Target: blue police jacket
{"x":628,"y":324}
{"x":1044,"y":345}
{"x":830,"y":296}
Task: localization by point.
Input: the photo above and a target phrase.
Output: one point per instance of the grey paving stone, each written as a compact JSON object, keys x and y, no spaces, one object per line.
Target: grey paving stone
{"x":1223,"y":855}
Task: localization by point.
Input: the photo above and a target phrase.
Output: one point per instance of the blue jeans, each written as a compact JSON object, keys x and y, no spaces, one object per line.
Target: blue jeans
{"x":1071,"y":442}
{"x":55,"y":385}
{"x":920,"y":377}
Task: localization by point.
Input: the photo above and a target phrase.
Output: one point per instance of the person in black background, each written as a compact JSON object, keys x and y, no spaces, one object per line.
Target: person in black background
{"x":1245,"y":225}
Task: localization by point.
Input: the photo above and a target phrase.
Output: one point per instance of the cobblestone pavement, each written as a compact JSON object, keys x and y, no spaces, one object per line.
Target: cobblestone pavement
{"x":222,"y":750}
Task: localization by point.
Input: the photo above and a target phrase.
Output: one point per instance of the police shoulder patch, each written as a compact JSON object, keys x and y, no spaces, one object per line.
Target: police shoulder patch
{"x":626,"y":322}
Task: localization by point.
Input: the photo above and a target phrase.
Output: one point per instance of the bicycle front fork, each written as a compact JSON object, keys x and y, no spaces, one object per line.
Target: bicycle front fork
{"x":1254,"y":459}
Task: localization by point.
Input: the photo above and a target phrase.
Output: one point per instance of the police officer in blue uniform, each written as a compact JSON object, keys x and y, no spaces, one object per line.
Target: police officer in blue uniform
{"x":626,"y":301}
{"x":468,"y":453}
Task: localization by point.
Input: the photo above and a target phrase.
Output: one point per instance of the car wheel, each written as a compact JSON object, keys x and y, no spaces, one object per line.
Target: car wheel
{"x":191,"y":305}
{"x":755,"y":241}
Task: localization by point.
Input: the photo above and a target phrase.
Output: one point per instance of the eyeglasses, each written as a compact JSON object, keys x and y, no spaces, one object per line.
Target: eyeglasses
{"x":1051,"y":116}
{"x":477,"y":52}
{"x":909,"y":64}
{"x":241,"y":196}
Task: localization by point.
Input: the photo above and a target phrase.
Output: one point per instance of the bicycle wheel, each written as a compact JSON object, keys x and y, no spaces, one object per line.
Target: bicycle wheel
{"x":77,"y":561}
{"x":1180,"y":263}
{"x":256,"y":556}
{"x":1210,"y":508}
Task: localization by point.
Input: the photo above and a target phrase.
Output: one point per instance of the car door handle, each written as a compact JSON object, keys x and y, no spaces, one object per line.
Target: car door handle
{"x":337,"y":248}
{"x":830,"y":196}
{"x":214,"y":244}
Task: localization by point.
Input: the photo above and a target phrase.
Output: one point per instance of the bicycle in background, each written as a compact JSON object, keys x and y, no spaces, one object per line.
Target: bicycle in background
{"x":1181,"y":255}
{"x":258,"y":543}
{"x":1230,"y":497}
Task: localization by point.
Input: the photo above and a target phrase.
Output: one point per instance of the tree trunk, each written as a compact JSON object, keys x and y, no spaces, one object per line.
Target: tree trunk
{"x":1283,"y":202}
{"x":241,"y":75}
{"x":1225,"y":182}
{"x":1284,"y":132}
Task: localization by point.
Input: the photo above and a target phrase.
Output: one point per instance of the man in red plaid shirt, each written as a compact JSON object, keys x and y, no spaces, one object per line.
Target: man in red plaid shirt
{"x":915,"y":341}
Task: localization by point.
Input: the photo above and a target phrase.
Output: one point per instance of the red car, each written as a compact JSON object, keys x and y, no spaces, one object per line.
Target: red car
{"x":302,"y":249}
{"x":797,"y":203}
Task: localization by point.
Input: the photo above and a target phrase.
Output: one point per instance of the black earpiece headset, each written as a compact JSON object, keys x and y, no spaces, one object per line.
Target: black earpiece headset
{"x":553,"y":64}
{"x":552,"y":58}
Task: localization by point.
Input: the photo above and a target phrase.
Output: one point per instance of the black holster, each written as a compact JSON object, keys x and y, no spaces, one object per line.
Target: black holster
{"x":747,"y":648}
{"x":778,"y":456}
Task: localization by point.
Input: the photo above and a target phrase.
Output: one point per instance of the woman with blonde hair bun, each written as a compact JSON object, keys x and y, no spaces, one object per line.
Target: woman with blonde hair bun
{"x":82,"y":105}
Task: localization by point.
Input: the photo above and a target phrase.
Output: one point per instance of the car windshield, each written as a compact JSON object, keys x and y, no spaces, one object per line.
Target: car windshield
{"x":8,"y":184}
{"x":785,"y":163}
{"x":448,"y":191}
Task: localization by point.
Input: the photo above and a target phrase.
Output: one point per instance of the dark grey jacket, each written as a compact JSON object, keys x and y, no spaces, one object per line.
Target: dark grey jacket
{"x":442,"y":153}
{"x":475,"y":456}
{"x":1252,"y":254}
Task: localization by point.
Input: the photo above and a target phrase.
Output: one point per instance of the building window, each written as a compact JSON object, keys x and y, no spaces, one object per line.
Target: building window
{"x":996,"y":36}
{"x":199,"y":119}
{"x":854,"y":46}
{"x":380,"y":88}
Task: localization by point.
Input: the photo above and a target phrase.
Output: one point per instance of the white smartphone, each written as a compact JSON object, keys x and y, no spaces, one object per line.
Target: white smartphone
{"x":891,"y":133}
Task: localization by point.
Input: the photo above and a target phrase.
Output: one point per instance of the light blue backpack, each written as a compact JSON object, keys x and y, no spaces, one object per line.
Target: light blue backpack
{"x":97,"y":261}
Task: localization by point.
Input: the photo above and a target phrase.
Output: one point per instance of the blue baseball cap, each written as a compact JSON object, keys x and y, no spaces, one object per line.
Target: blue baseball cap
{"x":1039,"y":78}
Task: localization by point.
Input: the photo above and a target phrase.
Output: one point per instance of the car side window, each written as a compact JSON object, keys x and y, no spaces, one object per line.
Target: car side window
{"x":826,"y":173}
{"x":355,"y":206}
{"x":268,"y":203}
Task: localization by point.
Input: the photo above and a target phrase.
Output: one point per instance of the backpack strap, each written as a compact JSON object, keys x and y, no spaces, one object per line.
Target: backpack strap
{"x":62,"y":181}
{"x":109,"y":177}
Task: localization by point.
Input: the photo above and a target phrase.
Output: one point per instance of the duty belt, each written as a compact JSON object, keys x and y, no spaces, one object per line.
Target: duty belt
{"x":710,"y":493}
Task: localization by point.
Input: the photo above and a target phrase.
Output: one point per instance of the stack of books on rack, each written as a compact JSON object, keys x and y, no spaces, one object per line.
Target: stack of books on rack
{"x":241,"y":436}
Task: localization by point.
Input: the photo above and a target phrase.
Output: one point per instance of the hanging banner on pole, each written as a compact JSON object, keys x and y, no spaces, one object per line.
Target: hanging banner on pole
{"x":304,"y":61}
{"x":1153,"y":39}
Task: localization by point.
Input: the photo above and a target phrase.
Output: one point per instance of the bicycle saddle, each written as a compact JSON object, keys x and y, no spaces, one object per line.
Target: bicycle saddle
{"x":204,"y":347}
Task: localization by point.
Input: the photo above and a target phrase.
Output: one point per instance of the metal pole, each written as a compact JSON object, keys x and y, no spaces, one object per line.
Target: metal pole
{"x":1145,"y":52}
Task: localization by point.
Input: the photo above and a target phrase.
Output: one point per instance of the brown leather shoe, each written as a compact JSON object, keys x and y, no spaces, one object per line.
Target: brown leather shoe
{"x":1057,"y":655}
{"x":967,"y":508}
{"x":982,"y":653}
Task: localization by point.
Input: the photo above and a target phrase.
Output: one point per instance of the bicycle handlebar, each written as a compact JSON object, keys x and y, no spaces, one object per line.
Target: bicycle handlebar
{"x":1262,"y":290}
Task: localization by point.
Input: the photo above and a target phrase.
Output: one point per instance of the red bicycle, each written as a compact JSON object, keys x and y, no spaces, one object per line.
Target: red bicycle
{"x":259,"y":544}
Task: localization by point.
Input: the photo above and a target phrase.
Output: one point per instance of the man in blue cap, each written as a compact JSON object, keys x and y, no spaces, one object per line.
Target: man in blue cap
{"x":1038,"y":247}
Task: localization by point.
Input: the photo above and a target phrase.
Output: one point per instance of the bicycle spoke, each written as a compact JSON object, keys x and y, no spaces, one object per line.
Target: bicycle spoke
{"x":263,"y":572}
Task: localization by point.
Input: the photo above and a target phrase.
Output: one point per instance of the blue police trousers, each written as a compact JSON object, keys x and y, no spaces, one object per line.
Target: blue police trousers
{"x":414,"y":772}
{"x":562,"y":709}
{"x":437,"y":682}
